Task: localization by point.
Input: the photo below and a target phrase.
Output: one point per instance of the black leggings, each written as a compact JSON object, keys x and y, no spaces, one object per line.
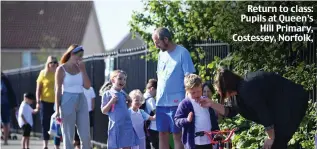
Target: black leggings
{"x":46,"y":111}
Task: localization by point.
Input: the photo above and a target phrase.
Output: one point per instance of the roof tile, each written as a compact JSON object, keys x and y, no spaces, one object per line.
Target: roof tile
{"x":43,"y":24}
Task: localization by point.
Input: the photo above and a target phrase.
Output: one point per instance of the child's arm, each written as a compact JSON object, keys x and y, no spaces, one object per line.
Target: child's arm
{"x":107,"y":103}
{"x":183,"y":116}
{"x":152,"y":118}
{"x":146,"y":116}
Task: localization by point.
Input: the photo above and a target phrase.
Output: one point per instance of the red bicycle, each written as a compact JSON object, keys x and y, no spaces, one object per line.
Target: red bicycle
{"x":217,"y":137}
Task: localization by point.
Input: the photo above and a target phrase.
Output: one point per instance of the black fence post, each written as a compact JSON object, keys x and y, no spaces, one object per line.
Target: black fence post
{"x":118,"y":55}
{"x":92,"y":71}
{"x":92,"y":74}
{"x":145,"y":60}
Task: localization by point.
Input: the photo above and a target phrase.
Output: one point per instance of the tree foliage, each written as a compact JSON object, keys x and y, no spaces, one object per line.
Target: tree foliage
{"x":193,"y":21}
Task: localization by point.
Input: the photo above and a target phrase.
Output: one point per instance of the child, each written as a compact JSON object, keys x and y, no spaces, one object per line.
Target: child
{"x":150,"y":106}
{"x":192,"y":118}
{"x":25,"y":118}
{"x":55,"y":131}
{"x":120,"y":130}
{"x":208,"y":90}
{"x":138,"y":117}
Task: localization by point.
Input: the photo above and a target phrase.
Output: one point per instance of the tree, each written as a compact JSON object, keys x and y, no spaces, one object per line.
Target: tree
{"x":193,"y":21}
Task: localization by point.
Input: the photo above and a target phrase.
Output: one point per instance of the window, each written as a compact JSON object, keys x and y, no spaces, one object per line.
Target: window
{"x":26,"y":59}
{"x":38,"y":58}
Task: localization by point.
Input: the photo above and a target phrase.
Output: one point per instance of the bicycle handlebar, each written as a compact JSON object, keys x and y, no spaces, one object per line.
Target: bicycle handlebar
{"x":215,"y":133}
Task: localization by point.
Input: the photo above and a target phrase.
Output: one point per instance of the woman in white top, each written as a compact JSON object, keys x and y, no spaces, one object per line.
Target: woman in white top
{"x":70,"y":79}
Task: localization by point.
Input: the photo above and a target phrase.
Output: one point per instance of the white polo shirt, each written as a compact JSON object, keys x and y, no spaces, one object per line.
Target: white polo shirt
{"x":89,"y":94}
{"x":25,"y":110}
{"x":138,"y":118}
{"x":202,"y":122}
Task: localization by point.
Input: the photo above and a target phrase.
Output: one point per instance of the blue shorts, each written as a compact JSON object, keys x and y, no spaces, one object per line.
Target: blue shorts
{"x":165,"y":119}
{"x":5,"y":114}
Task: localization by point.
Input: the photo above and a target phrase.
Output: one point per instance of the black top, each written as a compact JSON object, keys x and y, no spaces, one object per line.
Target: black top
{"x":268,"y":99}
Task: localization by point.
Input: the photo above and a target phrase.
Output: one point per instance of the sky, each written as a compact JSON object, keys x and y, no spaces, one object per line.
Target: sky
{"x":113,"y":17}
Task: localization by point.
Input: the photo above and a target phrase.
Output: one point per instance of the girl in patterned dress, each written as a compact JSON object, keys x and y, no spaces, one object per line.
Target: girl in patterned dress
{"x":120,"y":129}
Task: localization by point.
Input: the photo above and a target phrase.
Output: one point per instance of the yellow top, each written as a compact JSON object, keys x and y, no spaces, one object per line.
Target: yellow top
{"x":48,"y":82}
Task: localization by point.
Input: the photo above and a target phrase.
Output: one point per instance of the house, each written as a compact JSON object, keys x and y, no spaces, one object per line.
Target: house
{"x":32,"y":30}
{"x":129,"y":43}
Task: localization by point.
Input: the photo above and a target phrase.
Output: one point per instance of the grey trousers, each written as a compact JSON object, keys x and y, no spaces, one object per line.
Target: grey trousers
{"x":74,"y":112}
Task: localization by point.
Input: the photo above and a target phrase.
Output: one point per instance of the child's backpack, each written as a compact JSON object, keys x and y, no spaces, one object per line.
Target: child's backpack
{"x":143,"y":106}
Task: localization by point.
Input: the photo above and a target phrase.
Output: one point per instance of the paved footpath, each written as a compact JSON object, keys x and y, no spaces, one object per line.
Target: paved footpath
{"x":35,"y":143}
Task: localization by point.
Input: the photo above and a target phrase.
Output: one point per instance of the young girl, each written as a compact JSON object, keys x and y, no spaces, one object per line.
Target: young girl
{"x":208,"y":90}
{"x":138,"y":117}
{"x":120,"y":130}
